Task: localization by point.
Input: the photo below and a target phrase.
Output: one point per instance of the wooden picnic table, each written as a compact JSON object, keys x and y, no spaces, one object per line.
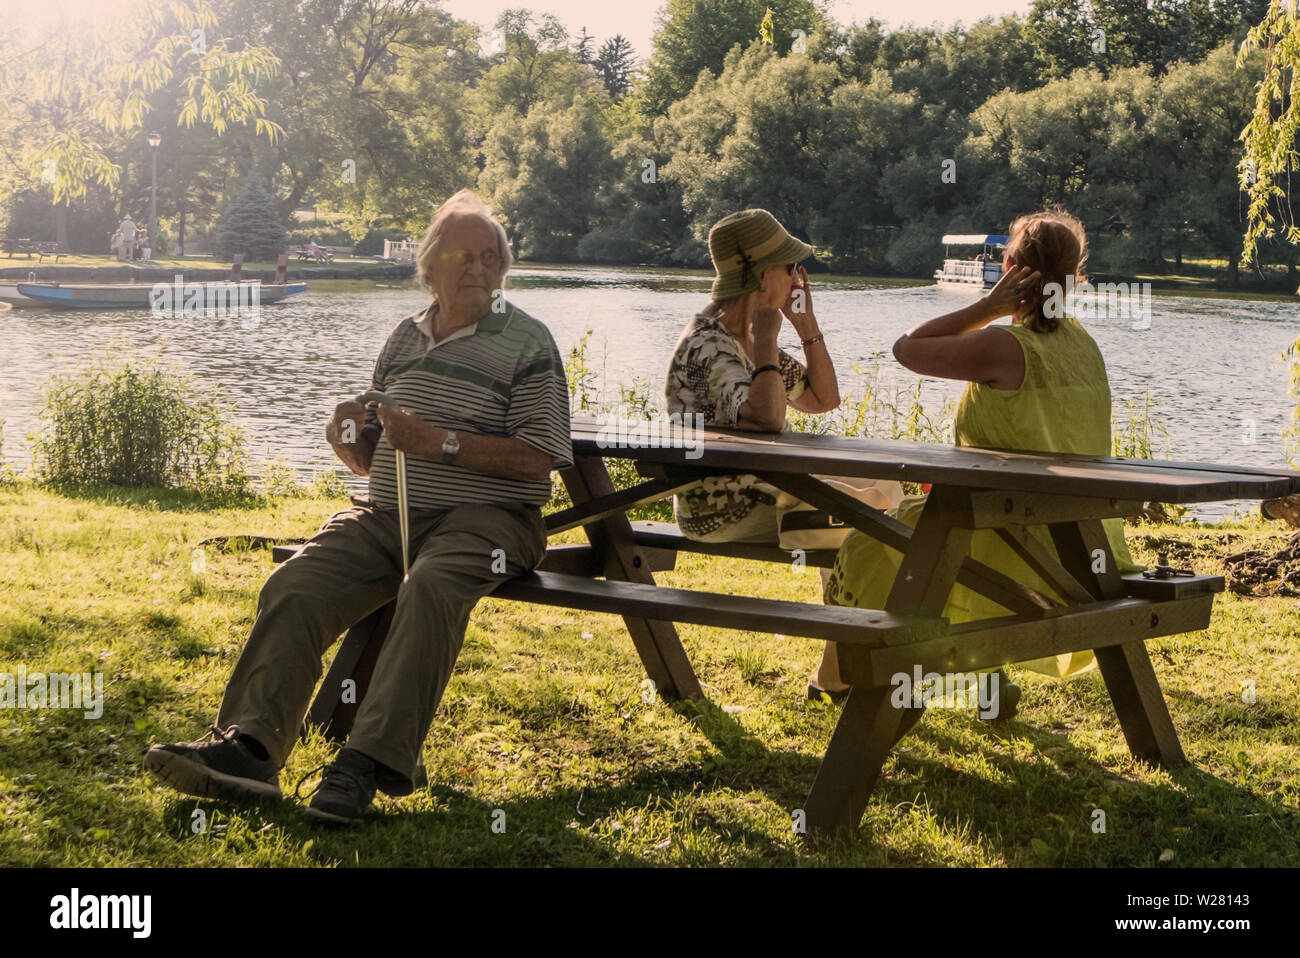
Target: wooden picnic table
{"x":1103,"y":611}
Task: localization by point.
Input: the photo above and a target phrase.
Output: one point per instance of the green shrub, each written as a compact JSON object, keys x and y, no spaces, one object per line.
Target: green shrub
{"x":1142,"y":430}
{"x":135,"y":423}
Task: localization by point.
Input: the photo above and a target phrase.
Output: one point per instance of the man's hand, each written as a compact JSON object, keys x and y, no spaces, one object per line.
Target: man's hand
{"x":344,"y":434}
{"x":410,"y":433}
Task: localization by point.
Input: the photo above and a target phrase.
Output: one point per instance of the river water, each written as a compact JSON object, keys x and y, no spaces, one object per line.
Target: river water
{"x":1213,"y":365}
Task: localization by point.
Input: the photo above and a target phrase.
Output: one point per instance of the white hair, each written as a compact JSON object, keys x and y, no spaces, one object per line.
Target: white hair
{"x":462,"y":203}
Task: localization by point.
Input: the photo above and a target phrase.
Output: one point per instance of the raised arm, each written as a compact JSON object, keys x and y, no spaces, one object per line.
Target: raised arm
{"x":823,"y":392}
{"x":957,"y":346}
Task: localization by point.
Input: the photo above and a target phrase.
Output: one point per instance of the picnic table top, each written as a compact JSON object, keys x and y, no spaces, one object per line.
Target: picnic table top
{"x":1003,"y":470}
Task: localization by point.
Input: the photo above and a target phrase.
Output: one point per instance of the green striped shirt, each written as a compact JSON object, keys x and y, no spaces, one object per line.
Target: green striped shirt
{"x":501,"y":377}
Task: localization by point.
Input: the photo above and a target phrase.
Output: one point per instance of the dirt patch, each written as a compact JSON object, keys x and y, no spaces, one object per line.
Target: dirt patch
{"x":1258,"y":572}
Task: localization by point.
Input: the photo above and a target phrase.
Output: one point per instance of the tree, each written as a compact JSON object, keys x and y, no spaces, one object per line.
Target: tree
{"x":1062,"y":35}
{"x":548,"y":174}
{"x":755,"y":137}
{"x":582,"y":49}
{"x":76,"y":97}
{"x":251,"y":225}
{"x":614,"y":63}
{"x":1272,"y":136}
{"x":697,"y":35}
{"x":1197,"y":123}
{"x":1082,"y":143}
{"x":534,"y":64}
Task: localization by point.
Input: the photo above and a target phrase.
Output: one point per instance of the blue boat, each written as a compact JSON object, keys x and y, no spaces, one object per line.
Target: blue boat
{"x":152,"y":296}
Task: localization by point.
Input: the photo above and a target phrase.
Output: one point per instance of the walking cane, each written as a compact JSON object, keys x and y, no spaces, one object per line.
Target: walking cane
{"x":403,"y":512}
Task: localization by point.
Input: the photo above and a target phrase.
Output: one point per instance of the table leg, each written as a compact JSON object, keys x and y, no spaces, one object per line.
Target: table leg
{"x":863,"y":736}
{"x":355,"y":659}
{"x":1127,"y":670}
{"x":870,"y":725}
{"x":657,"y":642}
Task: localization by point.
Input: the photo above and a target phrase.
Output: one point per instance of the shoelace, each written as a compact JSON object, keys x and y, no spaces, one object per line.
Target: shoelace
{"x":332,"y":770}
{"x":303,"y":798}
{"x":217,"y":733}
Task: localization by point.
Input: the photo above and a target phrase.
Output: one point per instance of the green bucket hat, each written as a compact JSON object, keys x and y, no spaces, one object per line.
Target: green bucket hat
{"x":745,"y":244}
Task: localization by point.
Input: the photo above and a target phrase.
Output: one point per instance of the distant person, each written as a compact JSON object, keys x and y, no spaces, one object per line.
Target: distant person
{"x":1037,"y":385}
{"x":115,"y":244}
{"x":142,"y":244}
{"x":728,"y":368}
{"x":127,"y":229}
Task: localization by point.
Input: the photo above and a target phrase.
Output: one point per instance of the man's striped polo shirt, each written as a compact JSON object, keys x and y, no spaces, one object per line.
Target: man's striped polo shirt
{"x":500,"y":377}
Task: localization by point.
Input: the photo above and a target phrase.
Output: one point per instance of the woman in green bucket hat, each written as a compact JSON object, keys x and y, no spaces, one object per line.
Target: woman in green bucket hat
{"x":728,"y":368}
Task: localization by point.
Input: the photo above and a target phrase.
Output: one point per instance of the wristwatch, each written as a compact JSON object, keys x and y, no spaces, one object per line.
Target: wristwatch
{"x":450,"y":446}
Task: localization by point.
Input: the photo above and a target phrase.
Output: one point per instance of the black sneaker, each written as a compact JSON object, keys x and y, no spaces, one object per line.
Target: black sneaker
{"x":220,"y":768}
{"x":345,"y":790}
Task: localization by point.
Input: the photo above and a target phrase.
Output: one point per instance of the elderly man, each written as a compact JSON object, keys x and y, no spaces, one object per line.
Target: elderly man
{"x":483,"y":418}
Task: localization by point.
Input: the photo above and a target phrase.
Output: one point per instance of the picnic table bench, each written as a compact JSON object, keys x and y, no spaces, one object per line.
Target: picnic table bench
{"x":1099,"y":609}
{"x":12,"y":246}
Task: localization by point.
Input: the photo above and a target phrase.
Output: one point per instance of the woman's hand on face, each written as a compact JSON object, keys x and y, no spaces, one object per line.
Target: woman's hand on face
{"x":1012,"y":293}
{"x":798,"y":307}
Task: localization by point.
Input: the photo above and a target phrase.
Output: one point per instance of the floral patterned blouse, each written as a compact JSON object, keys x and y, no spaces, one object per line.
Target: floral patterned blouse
{"x":710,"y":374}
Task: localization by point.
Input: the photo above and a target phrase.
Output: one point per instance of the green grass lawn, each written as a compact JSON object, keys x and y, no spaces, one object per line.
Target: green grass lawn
{"x":544,"y":720}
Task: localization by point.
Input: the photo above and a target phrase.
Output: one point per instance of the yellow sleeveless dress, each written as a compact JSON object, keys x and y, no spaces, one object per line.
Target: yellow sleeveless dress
{"x":1062,"y":406}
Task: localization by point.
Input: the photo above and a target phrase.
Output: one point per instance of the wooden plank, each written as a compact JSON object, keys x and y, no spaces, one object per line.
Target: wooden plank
{"x":990,"y":643}
{"x":1002,"y":470}
{"x":870,"y":726}
{"x":1180,"y":587}
{"x":1038,"y":558}
{"x":666,"y":536}
{"x":1139,"y":702}
{"x":613,"y":503}
{"x":355,"y":659}
{"x":867,"y":729}
{"x":936,"y":552}
{"x":583,"y":560}
{"x":991,"y":510}
{"x":975,"y":576}
{"x":836,"y":623}
{"x":1127,"y":670}
{"x":656,"y":641}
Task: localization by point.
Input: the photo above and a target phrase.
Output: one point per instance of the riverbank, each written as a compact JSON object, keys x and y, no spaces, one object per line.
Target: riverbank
{"x":544,"y":718}
{"x":110,"y":271}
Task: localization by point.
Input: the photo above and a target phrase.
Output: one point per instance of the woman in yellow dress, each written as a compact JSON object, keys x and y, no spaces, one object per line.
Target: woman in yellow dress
{"x":1037,"y":385}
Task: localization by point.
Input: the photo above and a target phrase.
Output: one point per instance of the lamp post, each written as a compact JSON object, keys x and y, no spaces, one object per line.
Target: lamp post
{"x":154,"y":140}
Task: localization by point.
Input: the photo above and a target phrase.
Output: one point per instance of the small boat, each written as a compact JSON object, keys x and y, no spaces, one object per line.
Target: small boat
{"x":175,"y":296}
{"x":983,"y":272}
{"x":10,"y":296}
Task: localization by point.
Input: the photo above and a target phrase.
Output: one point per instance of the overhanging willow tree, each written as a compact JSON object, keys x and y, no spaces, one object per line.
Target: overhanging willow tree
{"x":1270,"y":156}
{"x":74,"y":96}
